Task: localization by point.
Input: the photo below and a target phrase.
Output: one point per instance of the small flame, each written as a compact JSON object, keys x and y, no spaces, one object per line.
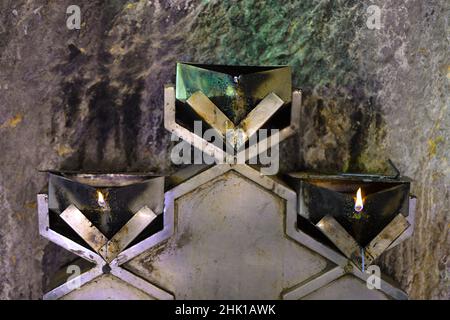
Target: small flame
{"x":101,"y":199}
{"x":359,"y":201}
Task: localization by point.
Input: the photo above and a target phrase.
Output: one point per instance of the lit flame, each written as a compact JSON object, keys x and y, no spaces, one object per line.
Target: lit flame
{"x":101,"y":199}
{"x":359,"y":201}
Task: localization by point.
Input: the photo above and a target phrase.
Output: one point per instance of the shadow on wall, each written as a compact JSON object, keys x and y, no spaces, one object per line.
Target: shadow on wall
{"x":342,"y":134}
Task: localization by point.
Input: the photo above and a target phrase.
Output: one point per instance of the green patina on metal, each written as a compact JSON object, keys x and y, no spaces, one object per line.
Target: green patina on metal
{"x":236,"y":90}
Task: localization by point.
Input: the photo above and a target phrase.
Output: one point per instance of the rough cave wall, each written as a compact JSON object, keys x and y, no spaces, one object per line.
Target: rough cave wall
{"x":93,"y":98}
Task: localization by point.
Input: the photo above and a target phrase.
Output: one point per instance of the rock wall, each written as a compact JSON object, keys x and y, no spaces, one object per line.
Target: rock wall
{"x":92,"y":99}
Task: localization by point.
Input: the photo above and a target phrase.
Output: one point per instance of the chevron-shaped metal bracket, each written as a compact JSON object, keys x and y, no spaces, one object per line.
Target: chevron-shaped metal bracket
{"x":362,"y":257}
{"x":107,"y":261}
{"x":215,"y":118}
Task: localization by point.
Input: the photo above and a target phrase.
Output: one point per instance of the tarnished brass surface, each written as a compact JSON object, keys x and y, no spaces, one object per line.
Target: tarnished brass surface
{"x":240,"y":133}
{"x":83,"y":227}
{"x":209,"y":112}
{"x":338,"y":235}
{"x":127,"y":233}
{"x":389,"y":234}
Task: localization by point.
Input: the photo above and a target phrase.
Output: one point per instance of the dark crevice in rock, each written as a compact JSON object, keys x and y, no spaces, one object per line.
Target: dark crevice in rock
{"x":319,"y":119}
{"x":73,"y":51}
{"x":357,"y":141}
{"x":72,"y":93}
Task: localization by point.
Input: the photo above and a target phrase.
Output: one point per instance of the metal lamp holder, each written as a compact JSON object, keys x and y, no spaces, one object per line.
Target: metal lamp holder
{"x":109,"y":255}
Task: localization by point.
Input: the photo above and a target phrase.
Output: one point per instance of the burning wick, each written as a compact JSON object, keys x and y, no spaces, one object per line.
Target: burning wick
{"x":358,"y":201}
{"x":101,"y":199}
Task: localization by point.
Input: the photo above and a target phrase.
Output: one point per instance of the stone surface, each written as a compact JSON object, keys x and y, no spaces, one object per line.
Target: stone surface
{"x":92,"y":99}
{"x":227,"y":252}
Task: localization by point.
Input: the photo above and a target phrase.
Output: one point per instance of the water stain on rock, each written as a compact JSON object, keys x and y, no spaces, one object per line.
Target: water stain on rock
{"x":131,"y":118}
{"x":103,"y":114}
